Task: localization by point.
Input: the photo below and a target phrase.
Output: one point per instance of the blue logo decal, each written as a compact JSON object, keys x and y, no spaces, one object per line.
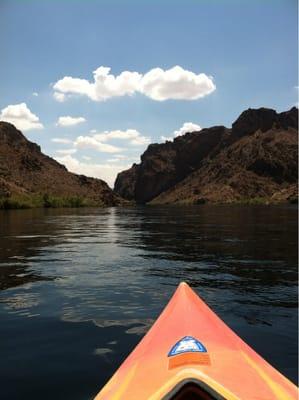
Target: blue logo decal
{"x":186,"y":345}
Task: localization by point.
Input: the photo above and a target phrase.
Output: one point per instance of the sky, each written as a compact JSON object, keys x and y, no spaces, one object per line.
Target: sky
{"x":95,"y":81}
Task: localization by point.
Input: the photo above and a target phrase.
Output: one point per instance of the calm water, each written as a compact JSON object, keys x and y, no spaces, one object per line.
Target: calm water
{"x":79,"y":288}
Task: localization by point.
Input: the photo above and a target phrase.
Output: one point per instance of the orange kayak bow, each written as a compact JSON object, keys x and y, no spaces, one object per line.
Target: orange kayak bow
{"x":189,"y":353}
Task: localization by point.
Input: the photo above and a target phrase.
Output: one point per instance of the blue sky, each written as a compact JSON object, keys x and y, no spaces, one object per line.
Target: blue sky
{"x":247,"y":51}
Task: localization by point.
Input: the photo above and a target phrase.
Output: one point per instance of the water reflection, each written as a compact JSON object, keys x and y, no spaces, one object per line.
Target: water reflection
{"x":103,"y":275}
{"x":241,"y":249}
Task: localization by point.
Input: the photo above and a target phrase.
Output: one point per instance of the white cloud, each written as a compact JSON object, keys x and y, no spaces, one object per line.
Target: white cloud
{"x":105,"y":85}
{"x":66,"y":151}
{"x":107,"y":172}
{"x":90,"y":142}
{"x":98,"y":141}
{"x":166,"y":138}
{"x":35,"y":94}
{"x":61,"y":140}
{"x":74,"y":86}
{"x":176,"y":83}
{"x":121,"y":157}
{"x":158,"y":84}
{"x":186,"y":127}
{"x":70,"y":121}
{"x":20,"y":116}
{"x":117,"y":134}
{"x":131,"y":135}
{"x":118,"y":158}
{"x":87,"y":158}
{"x":61,"y":97}
{"x":113,"y":160}
{"x":140,"y":141}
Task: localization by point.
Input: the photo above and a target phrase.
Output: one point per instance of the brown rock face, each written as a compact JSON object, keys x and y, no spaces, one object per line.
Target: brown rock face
{"x":256,"y":158}
{"x":263,"y":119}
{"x":163,"y":165}
{"x":125,"y":182}
{"x":25,"y":170}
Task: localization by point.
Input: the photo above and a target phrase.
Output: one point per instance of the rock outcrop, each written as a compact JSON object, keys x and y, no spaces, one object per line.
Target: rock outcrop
{"x":255,"y":159}
{"x":26,"y":172}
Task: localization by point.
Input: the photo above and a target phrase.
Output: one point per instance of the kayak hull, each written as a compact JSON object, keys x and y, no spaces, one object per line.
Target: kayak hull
{"x":190,"y":345}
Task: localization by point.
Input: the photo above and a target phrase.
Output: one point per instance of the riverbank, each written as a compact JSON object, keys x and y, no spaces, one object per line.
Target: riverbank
{"x":49,"y":201}
{"x":46,"y":201}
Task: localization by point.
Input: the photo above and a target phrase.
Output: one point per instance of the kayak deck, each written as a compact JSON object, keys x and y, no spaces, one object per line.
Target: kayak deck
{"x":189,"y":353}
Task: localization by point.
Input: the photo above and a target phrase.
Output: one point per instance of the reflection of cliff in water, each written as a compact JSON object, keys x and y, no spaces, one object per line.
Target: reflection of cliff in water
{"x":240,"y":248}
{"x":243,"y":249}
{"x":23,"y":233}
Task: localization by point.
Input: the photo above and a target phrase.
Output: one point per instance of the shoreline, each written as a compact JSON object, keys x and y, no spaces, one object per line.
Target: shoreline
{"x":54,"y":202}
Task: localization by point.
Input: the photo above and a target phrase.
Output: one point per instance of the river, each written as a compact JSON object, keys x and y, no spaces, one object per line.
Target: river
{"x":80,"y":287}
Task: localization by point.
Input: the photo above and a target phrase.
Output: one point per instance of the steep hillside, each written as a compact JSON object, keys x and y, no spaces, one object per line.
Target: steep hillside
{"x":255,"y":159}
{"x":32,"y":178}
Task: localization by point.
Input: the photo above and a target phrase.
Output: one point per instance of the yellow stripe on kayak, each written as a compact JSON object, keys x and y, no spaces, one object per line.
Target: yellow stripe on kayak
{"x":122,"y":386}
{"x":278,"y":391}
{"x":186,"y":374}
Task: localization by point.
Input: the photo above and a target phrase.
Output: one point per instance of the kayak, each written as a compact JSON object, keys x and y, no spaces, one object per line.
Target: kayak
{"x":190,"y":353}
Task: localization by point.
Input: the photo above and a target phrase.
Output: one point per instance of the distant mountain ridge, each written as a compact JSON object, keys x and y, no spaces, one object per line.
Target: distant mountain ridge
{"x":255,"y":159}
{"x":29,"y":176}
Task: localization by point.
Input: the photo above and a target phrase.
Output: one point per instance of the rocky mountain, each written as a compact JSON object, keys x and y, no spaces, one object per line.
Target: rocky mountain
{"x":30,"y":177}
{"x":256,"y":159}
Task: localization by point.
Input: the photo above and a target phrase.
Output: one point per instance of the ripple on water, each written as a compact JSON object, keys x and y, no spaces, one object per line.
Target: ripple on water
{"x":83,"y":286}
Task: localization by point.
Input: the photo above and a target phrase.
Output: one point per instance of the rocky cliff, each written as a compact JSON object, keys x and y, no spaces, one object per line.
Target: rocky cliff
{"x":27,"y":173}
{"x":255,"y":159}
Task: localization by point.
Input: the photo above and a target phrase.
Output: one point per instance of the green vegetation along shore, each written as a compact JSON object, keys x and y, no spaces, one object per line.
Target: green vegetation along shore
{"x":45,"y":201}
{"x":50,"y":201}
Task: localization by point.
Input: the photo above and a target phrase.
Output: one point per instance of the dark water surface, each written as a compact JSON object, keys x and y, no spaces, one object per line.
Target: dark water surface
{"x":80,"y":287}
